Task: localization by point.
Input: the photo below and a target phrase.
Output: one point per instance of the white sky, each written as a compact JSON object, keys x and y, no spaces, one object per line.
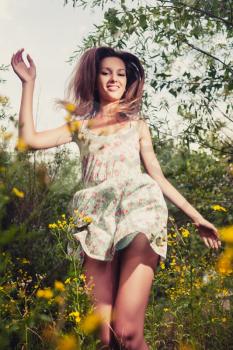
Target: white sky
{"x":49,"y":32}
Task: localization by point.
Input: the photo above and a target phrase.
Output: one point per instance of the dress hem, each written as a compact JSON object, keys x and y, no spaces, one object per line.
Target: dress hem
{"x":82,"y":248}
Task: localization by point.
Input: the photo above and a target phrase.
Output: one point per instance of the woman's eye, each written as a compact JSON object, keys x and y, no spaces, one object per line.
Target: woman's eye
{"x":105,"y":73}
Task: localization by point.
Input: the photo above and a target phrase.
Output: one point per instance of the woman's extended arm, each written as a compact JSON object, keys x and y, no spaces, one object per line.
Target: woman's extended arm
{"x":42,"y":139}
{"x":207,"y":231}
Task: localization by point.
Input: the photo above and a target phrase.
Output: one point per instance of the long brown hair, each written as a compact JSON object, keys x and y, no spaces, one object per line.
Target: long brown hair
{"x":82,"y":89}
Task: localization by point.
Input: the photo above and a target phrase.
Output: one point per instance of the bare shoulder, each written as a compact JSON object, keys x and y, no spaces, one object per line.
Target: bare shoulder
{"x":143,"y":129}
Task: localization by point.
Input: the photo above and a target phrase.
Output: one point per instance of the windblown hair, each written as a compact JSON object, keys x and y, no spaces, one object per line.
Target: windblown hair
{"x":82,"y":89}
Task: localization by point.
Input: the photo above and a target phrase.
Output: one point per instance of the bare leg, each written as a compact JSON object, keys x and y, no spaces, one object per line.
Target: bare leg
{"x":105,"y":279}
{"x":138,"y":264}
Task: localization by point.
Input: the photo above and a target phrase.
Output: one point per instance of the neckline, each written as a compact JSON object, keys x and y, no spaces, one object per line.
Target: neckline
{"x":112,"y":134}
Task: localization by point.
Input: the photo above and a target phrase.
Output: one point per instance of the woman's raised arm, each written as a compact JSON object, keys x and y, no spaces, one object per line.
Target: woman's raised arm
{"x":36,"y":140}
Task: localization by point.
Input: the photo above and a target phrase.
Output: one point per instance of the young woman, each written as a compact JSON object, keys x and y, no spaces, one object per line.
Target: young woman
{"x":122,"y":245}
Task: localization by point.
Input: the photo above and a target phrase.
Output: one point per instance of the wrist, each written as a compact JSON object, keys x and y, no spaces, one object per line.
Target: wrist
{"x":28,"y":83}
{"x":197,"y":218}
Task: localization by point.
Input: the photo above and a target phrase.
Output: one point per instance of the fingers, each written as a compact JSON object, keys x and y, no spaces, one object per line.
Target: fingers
{"x":30,"y":60}
{"x":212,"y":242}
{"x":17,"y":57}
{"x":206,"y":241}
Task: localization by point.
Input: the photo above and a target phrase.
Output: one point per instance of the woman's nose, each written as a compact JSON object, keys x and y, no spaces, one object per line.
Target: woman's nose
{"x":113,"y":77}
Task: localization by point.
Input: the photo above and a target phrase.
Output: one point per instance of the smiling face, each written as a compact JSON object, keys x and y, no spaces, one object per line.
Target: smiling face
{"x":111,"y":81}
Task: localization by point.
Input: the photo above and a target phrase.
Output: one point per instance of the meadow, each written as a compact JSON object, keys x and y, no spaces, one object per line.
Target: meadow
{"x":44,"y":297}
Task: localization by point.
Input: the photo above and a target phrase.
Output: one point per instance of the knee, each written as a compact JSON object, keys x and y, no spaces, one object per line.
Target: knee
{"x":127,"y":335}
{"x":105,"y":337}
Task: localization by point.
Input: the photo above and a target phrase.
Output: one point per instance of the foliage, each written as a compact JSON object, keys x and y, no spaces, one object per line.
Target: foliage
{"x":44,"y":300}
{"x":185,"y":47}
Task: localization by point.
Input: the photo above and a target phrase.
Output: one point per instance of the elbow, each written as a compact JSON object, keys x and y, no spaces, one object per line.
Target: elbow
{"x":27,"y":142}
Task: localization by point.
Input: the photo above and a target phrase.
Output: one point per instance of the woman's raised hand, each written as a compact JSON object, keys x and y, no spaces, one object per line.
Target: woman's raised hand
{"x":25,"y":73}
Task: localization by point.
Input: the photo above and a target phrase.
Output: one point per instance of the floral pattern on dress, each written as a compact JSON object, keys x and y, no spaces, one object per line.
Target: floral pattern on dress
{"x":121,"y":200}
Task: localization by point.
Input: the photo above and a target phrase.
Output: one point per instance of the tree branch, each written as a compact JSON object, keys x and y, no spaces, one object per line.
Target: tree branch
{"x":202,"y":11}
{"x":208,"y":54}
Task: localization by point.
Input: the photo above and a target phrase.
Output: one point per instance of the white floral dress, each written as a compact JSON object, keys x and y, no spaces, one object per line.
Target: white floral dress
{"x":121,"y":200}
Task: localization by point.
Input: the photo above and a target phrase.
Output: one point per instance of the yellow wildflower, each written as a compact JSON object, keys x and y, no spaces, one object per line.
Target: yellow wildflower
{"x":225,"y":292}
{"x":225,"y":264}
{"x":226,"y":234}
{"x":59,"y":286}
{"x":218,"y":207}
{"x":70,"y":107}
{"x":173,"y":262}
{"x":185,"y":233}
{"x":21,"y":145}
{"x":91,"y":322}
{"x":76,"y":316}
{"x":17,"y":192}
{"x":185,"y":346}
{"x":58,"y":299}
{"x":74,"y":125}
{"x":67,"y":342}
{"x":52,"y":225}
{"x":162,"y":265}
{"x":46,"y":293}
{"x":87,"y":219}
{"x":74,"y":313}
{"x":82,"y":277}
{"x":224,"y":319}
{"x":67,"y":281}
{"x":25,"y":261}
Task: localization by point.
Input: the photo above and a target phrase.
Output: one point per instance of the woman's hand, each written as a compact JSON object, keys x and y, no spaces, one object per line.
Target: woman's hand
{"x":208,"y":233}
{"x":25,"y":73}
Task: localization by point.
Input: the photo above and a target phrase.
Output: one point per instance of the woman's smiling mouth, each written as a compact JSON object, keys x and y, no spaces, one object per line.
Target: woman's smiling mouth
{"x":113,"y":87}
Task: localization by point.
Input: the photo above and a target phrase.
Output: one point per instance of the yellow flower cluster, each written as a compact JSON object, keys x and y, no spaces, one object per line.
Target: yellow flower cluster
{"x":67,"y":342}
{"x":225,"y":262}
{"x":21,"y":145}
{"x":218,"y":207}
{"x":46,"y":293}
{"x":226,"y":233}
{"x":64,"y":224}
{"x":162,"y":265}
{"x":59,"y":286}
{"x":82,"y":277}
{"x":82,"y":216}
{"x":17,"y":192}
{"x":185,"y":233}
{"x":76,"y":316}
{"x":73,"y":125}
{"x":70,"y":107}
{"x":91,"y":322}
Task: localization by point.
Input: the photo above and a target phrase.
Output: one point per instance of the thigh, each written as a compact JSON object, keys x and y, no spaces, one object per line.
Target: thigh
{"x":138,"y":263}
{"x":102,"y":280}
